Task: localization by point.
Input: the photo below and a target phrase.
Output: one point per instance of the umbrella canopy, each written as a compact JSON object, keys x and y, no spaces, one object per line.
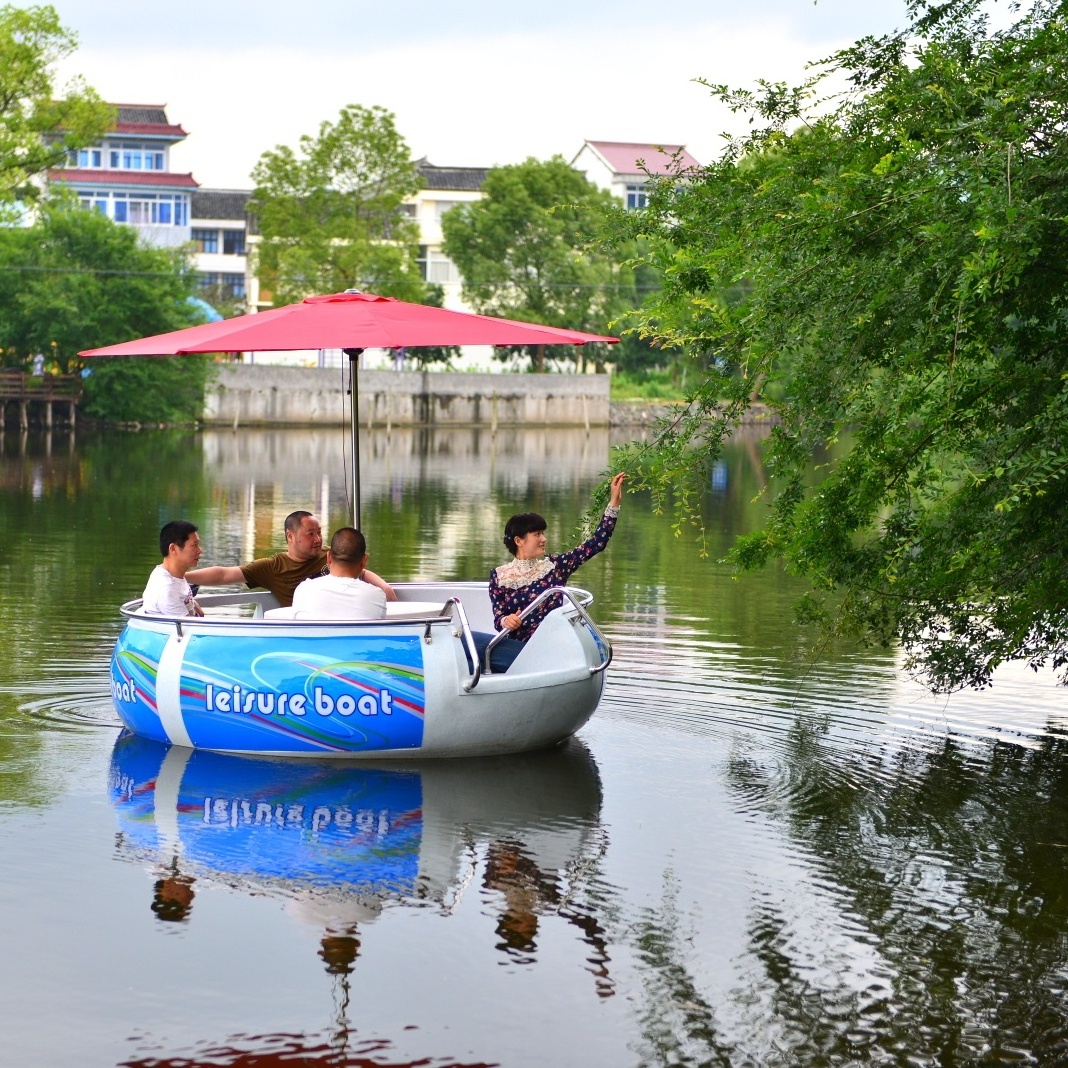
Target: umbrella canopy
{"x":352,"y":321}
{"x":343,"y":321}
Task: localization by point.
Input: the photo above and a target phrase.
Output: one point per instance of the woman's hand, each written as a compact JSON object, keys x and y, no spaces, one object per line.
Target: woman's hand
{"x":512,"y":622}
{"x":617,"y":490}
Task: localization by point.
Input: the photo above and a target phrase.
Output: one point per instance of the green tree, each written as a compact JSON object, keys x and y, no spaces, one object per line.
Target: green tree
{"x":331,"y":216}
{"x":75,"y":280}
{"x":527,"y":250}
{"x":38,"y":126}
{"x":897,"y":263}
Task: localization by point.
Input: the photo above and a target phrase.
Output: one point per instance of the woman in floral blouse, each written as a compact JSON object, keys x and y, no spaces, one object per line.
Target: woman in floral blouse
{"x":514,"y":585}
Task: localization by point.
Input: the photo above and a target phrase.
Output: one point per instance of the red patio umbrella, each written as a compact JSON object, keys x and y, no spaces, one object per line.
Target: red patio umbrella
{"x":351,"y":321}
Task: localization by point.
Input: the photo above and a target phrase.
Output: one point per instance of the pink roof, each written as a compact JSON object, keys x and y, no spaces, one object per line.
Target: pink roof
{"x":91,"y":176}
{"x":623,"y":156}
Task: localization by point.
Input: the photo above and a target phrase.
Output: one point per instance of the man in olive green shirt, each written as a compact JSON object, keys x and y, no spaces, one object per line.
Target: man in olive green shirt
{"x":282,"y":573}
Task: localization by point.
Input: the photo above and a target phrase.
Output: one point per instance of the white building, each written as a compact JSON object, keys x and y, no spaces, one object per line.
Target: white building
{"x":127,"y":177}
{"x":624,"y":167}
{"x":219,"y":230}
{"x":444,"y":188}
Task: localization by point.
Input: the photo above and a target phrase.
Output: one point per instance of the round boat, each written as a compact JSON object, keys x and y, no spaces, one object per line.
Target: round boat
{"x":249,"y":677}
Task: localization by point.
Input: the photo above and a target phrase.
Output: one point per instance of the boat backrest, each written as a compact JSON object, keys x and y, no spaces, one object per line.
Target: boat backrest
{"x":394,"y":610}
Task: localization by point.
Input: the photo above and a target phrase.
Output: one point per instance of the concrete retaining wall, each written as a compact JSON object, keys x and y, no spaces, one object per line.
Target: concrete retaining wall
{"x":258,"y":395}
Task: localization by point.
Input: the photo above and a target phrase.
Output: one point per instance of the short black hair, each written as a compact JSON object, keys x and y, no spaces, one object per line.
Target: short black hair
{"x":293,"y":521}
{"x":348,"y":545}
{"x":176,"y":532}
{"x":519,"y":526}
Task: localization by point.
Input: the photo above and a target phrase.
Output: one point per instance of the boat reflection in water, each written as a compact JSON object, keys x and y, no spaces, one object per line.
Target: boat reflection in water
{"x":340,"y":842}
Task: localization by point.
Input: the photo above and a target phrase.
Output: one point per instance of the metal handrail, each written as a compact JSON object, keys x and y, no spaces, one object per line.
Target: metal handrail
{"x":468,"y":639}
{"x":604,"y":645}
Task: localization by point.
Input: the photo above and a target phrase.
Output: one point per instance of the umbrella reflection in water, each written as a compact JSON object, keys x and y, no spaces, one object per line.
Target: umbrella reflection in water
{"x":340,"y":843}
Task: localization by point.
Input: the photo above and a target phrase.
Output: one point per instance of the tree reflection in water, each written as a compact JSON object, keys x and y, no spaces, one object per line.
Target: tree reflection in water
{"x":952,"y":868}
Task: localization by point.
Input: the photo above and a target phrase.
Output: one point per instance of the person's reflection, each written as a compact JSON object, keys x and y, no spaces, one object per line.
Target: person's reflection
{"x":339,"y":950}
{"x":529,"y":892}
{"x":172,"y":897}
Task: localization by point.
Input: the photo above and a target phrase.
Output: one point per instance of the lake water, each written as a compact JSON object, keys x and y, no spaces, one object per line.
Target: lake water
{"x":761,"y":850}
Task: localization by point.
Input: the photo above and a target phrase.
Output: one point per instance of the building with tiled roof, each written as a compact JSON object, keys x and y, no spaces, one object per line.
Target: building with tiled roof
{"x":624,"y":167}
{"x":220,"y":226}
{"x":228,"y":204}
{"x":444,"y":188}
{"x":465,"y":179}
{"x":127,"y":177}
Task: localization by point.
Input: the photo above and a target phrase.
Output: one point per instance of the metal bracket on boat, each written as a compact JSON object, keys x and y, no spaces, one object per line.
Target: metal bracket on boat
{"x":604,"y":646}
{"x":455,"y":606}
{"x":178,"y":627}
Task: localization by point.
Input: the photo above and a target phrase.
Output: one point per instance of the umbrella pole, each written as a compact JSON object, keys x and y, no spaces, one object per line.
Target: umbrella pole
{"x":354,"y":410}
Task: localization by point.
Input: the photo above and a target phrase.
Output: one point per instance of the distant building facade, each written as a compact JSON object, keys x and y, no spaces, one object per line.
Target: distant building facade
{"x":444,"y":188}
{"x":624,"y":167}
{"x":220,"y":228}
{"x":127,"y":177}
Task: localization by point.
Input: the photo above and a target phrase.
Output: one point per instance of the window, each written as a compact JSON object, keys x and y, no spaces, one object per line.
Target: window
{"x":229,"y":285}
{"x":442,"y":206}
{"x":436,"y":267}
{"x":88,"y":157}
{"x":234,"y":242}
{"x":233,"y":284}
{"x":135,"y":157}
{"x":151,"y":209}
{"x":206,"y":240}
{"x":142,"y":212}
{"x":637,"y":197}
{"x":93,"y":201}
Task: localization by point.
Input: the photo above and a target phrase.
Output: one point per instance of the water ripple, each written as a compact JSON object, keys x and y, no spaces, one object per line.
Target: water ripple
{"x":68,"y":693}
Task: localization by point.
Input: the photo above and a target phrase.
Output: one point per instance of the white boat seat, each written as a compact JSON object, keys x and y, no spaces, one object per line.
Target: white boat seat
{"x":419,"y":609}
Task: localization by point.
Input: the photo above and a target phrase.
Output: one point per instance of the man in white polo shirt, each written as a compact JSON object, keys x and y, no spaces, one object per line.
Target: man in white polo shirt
{"x":342,"y":593}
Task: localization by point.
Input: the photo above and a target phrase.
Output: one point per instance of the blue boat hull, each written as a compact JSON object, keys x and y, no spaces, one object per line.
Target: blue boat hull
{"x":348,"y":689}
